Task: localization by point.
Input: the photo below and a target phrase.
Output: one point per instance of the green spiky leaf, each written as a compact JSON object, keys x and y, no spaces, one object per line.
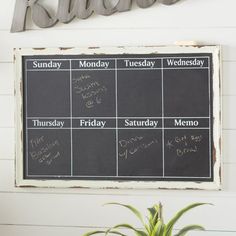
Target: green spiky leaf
{"x":104,"y":232}
{"x":155,"y":226}
{"x":117,"y":233}
{"x":94,"y":232}
{"x":188,"y":228}
{"x":133,"y":210}
{"x":158,"y":229}
{"x":151,"y":219}
{"x":172,"y":222}
{"x":127,"y":226}
{"x":152,"y":211}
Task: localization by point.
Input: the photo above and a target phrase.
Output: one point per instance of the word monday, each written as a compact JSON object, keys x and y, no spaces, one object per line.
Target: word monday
{"x":67,"y":10}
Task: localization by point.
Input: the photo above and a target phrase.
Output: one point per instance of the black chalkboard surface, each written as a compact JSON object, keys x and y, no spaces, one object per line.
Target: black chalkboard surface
{"x":112,"y":119}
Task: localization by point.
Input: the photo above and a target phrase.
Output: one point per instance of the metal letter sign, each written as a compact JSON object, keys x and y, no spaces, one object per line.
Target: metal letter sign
{"x":69,"y":9}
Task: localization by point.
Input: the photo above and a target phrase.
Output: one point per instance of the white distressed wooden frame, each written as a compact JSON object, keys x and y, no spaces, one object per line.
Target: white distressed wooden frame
{"x":217,"y":118}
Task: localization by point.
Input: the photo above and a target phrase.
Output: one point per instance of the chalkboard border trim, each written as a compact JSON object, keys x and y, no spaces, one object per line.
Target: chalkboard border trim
{"x":215,"y":50}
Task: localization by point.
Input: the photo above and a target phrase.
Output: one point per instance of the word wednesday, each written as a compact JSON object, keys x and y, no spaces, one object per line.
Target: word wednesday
{"x":184,"y":62}
{"x":67,"y":10}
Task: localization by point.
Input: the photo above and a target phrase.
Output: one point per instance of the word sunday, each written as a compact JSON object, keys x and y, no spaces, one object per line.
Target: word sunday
{"x":46,"y":65}
{"x":67,"y":10}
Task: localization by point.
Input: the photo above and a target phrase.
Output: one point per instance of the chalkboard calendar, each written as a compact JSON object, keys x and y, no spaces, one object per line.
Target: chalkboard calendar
{"x":119,"y":117}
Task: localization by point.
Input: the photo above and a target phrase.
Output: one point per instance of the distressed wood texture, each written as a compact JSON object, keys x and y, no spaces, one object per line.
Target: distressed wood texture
{"x":63,"y":212}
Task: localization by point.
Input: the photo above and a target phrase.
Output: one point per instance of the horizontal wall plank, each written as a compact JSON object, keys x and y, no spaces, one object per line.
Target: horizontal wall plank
{"x":7,"y":111}
{"x":16,"y":230}
{"x":87,"y":210}
{"x":228,"y":146}
{"x":115,"y":37}
{"x":228,"y":80}
{"x":7,"y":78}
{"x":6,"y":14}
{"x":229,"y":113}
{"x":7,"y":175}
{"x":156,"y":16}
{"x":7,"y":140}
{"x":228,"y":177}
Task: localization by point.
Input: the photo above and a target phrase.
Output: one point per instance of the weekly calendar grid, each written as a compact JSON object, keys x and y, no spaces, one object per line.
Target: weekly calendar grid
{"x":89,"y":91}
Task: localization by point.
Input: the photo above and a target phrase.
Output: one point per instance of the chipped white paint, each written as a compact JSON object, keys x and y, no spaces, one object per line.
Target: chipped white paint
{"x":215,"y":50}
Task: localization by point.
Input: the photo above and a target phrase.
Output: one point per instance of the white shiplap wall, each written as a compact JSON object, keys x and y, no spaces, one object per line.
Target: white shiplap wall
{"x":59,"y":212}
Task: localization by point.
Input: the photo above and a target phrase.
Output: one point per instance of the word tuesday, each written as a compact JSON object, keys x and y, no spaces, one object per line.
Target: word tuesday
{"x":144,"y":63}
{"x":67,"y":10}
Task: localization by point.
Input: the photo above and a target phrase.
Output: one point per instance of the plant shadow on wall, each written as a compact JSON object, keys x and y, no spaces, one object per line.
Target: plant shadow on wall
{"x":154,"y":226}
{"x":67,"y":10}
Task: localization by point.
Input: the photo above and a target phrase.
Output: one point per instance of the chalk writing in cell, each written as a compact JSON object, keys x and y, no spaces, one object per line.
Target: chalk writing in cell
{"x":128,"y":148}
{"x":185,"y":144}
{"x":90,"y":91}
{"x":43,"y":151}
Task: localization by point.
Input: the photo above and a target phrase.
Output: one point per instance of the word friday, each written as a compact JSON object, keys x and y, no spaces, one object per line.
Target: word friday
{"x":67,"y":10}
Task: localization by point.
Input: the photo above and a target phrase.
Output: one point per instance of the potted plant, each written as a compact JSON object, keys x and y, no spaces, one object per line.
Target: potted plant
{"x":154,"y":226}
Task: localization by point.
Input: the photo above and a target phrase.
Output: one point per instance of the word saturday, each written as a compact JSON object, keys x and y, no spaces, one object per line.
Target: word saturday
{"x":141,"y":123}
